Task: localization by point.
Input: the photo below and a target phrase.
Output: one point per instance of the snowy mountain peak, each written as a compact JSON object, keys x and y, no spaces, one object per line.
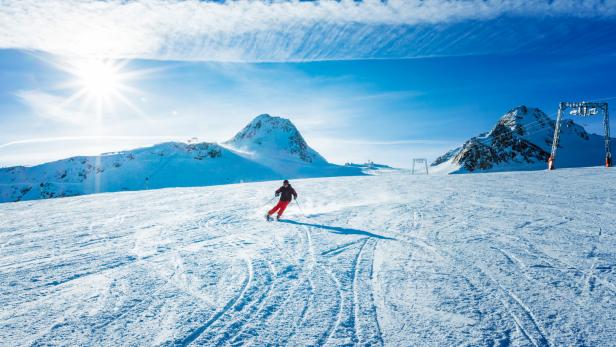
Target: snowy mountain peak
{"x":264,"y":124}
{"x":529,"y":120}
{"x":276,"y":137}
{"x":519,"y":118}
{"x":521,"y":140}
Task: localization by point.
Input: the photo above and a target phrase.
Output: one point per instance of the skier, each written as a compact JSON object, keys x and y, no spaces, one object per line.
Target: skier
{"x":286,"y":193}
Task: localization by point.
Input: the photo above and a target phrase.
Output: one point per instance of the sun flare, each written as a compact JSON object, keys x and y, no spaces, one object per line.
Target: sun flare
{"x":101,"y":84}
{"x":98,"y":78}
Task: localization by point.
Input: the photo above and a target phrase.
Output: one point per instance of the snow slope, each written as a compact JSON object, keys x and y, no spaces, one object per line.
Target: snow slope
{"x":522,"y":140}
{"x":504,"y":259}
{"x":268,"y":148}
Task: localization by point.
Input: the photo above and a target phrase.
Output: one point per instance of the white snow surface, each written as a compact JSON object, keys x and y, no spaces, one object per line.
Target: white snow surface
{"x":499,"y":259}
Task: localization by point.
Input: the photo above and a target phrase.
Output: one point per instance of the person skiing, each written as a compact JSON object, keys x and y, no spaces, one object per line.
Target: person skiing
{"x":286,"y":193}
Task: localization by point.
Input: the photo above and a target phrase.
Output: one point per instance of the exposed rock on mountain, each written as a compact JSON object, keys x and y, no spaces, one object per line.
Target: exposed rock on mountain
{"x":521,"y":140}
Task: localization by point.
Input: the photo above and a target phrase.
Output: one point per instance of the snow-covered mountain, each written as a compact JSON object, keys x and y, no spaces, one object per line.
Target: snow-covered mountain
{"x":276,"y":143}
{"x":372,"y":168}
{"x":521,"y":140}
{"x":268,"y":148}
{"x":274,"y":138}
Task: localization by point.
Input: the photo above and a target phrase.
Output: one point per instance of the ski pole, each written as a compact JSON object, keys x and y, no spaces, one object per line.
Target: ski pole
{"x":270,"y":200}
{"x":300,"y":208}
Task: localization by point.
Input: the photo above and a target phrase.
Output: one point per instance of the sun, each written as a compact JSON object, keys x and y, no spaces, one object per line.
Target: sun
{"x":101,"y":84}
{"x":98,"y":78}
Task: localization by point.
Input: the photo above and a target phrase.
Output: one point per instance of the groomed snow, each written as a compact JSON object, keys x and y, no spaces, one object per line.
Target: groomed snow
{"x":522,"y":259}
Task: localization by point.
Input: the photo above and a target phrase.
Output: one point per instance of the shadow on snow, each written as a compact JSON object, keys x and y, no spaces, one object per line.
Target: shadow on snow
{"x":338,"y":230}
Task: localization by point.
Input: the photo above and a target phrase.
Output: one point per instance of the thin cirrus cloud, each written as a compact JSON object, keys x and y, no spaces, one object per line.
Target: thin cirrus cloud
{"x":255,"y":31}
{"x":396,"y":142}
{"x":86,"y":138}
{"x":50,"y":107}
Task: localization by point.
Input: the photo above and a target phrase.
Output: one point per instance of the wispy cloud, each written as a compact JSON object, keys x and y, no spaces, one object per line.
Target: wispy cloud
{"x":390,"y":143}
{"x":51,"y":107}
{"x":277,"y":30}
{"x":397,"y":153}
{"x":86,"y":138}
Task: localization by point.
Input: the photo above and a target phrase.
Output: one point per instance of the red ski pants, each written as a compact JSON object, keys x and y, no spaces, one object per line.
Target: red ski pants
{"x":280,"y":207}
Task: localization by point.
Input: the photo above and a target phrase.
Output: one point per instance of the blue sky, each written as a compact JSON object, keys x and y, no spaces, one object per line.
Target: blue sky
{"x":382,"y":81}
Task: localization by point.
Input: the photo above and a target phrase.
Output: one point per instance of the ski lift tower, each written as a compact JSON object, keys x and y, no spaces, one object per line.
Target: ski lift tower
{"x":419,"y":161}
{"x":583,"y":109}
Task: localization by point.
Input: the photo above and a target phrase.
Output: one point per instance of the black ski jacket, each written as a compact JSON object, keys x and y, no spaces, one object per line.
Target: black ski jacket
{"x":286,"y":193}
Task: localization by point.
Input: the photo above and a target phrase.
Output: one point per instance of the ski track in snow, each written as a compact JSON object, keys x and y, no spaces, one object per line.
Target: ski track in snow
{"x":507,"y":259}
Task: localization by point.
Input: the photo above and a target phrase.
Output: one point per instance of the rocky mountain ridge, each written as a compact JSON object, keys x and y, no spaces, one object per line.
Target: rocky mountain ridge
{"x":521,"y":140}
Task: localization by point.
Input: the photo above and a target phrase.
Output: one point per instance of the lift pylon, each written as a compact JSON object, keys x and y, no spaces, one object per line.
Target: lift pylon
{"x":583,"y":109}
{"x":420,"y":161}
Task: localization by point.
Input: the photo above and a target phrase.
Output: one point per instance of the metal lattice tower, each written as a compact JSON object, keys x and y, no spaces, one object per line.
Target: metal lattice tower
{"x":419,"y":161}
{"x":584,"y":109}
